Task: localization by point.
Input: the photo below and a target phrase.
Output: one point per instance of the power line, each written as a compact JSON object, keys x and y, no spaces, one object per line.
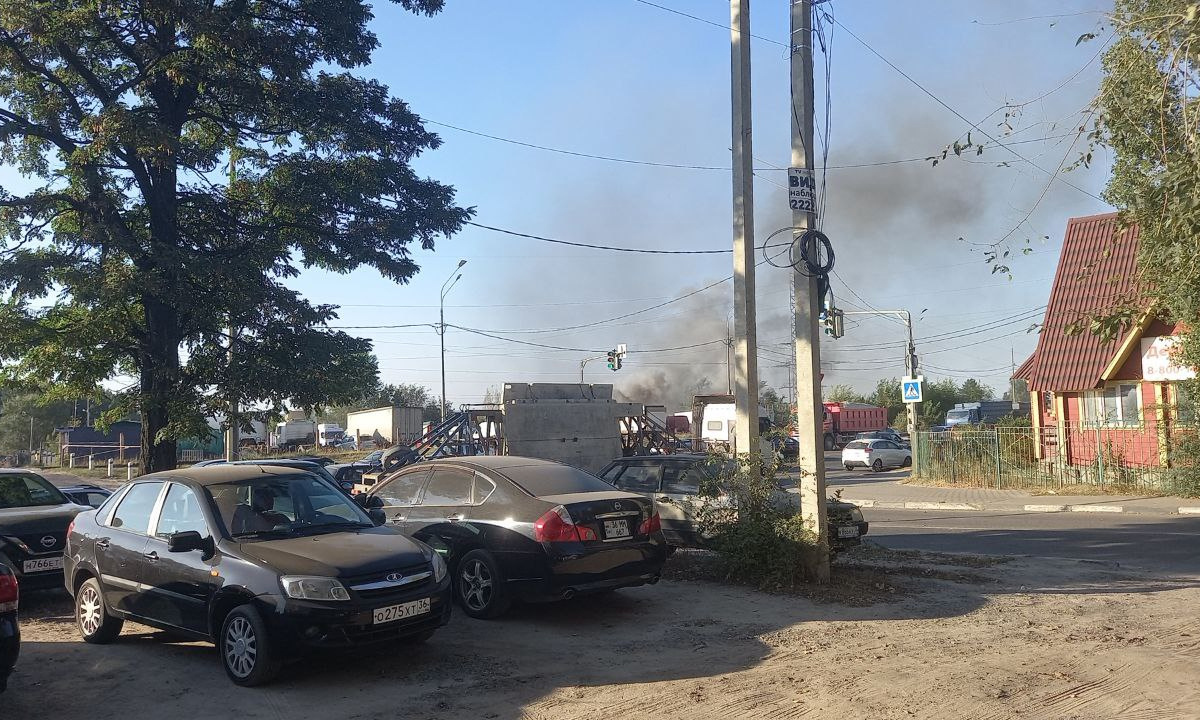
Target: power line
{"x":559,"y":347}
{"x":708,"y":22}
{"x":646,"y":251}
{"x":959,"y":115}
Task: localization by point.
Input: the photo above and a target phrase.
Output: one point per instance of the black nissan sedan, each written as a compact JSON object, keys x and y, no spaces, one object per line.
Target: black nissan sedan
{"x":264,"y":561}
{"x":34,"y":516}
{"x":518,"y":528}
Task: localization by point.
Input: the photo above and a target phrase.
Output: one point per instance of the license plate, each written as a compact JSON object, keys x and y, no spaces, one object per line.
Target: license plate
{"x":392,"y":613}
{"x":848,"y":531}
{"x":41,"y":564}
{"x":616,"y":529}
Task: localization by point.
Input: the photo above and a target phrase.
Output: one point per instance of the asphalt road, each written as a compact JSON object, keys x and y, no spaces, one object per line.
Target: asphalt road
{"x":1162,"y":544}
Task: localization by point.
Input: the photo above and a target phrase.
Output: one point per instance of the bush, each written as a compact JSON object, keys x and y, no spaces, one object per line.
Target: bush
{"x":755,"y":529}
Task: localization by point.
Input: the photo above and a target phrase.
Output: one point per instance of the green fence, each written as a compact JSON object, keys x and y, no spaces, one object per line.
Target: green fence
{"x":1129,"y":460}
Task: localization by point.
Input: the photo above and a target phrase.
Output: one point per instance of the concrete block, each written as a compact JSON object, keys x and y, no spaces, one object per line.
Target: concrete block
{"x":1045,"y":508}
{"x":1096,"y":508}
{"x":939,"y":506}
{"x":1189,"y":510}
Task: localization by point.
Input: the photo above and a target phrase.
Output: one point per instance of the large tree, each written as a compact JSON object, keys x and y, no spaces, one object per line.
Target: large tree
{"x":127,"y":252}
{"x":1149,"y":115}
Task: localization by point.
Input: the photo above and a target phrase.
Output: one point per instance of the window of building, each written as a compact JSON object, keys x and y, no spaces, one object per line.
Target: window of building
{"x":1114,"y":406}
{"x":1185,"y":405}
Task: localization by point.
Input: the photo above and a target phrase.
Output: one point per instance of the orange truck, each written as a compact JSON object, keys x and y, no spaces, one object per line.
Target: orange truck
{"x":844,"y":420}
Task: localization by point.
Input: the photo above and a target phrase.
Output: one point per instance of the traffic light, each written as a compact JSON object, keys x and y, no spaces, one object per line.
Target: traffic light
{"x":618,"y":367}
{"x":613,"y":361}
{"x":834,"y":322}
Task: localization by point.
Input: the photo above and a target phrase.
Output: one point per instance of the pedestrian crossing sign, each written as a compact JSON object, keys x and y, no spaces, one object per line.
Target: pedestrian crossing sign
{"x":910,"y":389}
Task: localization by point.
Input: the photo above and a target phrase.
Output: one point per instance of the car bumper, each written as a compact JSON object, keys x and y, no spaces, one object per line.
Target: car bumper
{"x":560,"y":576}
{"x":307,"y":624}
{"x":10,"y":646}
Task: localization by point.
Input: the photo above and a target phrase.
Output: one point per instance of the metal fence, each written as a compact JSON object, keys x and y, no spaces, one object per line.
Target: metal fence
{"x":1129,"y":460}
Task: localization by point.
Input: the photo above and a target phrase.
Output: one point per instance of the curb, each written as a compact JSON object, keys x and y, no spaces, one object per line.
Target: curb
{"x":1096,"y":508}
{"x":1189,"y":511}
{"x":1045,"y":508}
{"x":940,"y":506}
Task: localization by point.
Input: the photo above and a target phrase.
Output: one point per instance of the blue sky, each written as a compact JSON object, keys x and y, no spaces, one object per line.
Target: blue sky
{"x":622,"y":78}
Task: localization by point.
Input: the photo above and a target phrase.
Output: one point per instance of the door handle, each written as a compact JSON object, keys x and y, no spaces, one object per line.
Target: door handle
{"x":102,"y":543}
{"x":152,"y":556}
{"x":455,"y":518}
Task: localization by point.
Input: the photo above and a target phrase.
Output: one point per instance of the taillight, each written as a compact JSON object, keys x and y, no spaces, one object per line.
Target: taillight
{"x":650,"y":525}
{"x":70,"y":527}
{"x":557,"y":526}
{"x":8,"y":593}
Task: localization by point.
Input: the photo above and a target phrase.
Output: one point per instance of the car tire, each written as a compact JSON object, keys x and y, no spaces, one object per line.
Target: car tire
{"x":246,"y":647}
{"x":479,"y":586}
{"x":877,"y":466}
{"x":848,"y":467}
{"x":907,"y":461}
{"x":96,"y":624}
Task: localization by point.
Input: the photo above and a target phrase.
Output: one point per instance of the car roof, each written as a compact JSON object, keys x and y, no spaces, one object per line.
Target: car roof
{"x":83,"y":487}
{"x":223,"y":473}
{"x":493,"y":462}
{"x":18,"y":471}
{"x":673,"y":457}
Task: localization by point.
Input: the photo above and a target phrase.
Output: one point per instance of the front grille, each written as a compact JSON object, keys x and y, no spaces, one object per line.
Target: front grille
{"x":355,"y":584}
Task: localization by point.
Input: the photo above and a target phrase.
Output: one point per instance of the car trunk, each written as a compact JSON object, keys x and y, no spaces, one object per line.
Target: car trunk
{"x":614,"y":517}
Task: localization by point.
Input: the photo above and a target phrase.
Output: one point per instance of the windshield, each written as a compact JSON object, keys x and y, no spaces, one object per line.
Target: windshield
{"x":28,"y":491}
{"x":958,"y":415}
{"x":285,"y":505}
{"x":541,"y":480}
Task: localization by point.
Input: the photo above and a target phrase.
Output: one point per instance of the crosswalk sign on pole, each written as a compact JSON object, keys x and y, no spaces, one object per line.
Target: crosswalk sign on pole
{"x":910,"y":390}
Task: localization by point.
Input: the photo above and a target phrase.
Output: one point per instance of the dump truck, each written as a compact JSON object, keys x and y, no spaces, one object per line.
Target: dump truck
{"x":844,"y":420}
{"x":985,"y":413}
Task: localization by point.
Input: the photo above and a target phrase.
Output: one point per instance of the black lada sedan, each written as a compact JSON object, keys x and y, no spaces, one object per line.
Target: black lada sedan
{"x":264,"y":561}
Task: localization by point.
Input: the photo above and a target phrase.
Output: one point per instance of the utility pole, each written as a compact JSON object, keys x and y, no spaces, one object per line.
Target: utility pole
{"x":745,"y":375}
{"x":809,"y":412}
{"x":233,"y":434}
{"x":583,"y":364}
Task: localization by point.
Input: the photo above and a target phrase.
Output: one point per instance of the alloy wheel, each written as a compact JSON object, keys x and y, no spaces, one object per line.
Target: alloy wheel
{"x":241,"y":647}
{"x":90,"y":610}
{"x":475,"y":585}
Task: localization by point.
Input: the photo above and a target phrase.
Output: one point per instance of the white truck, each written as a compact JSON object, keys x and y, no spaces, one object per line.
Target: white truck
{"x":385,"y":426}
{"x":715,"y":420}
{"x":329,"y":434}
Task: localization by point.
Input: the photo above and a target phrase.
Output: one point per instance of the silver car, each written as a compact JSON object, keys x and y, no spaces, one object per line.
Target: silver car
{"x":879,"y":455}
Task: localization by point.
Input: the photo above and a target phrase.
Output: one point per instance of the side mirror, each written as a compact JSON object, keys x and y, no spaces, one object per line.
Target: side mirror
{"x":377,"y":516}
{"x":186,"y":541}
{"x":346,"y":486}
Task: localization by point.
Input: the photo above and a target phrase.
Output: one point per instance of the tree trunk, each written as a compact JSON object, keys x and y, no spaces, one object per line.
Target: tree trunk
{"x":159,"y":378}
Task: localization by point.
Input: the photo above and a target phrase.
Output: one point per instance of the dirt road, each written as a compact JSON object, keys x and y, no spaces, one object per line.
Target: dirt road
{"x":1039,"y":639}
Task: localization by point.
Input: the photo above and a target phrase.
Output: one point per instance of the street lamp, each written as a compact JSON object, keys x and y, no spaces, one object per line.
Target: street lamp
{"x":446,"y":286}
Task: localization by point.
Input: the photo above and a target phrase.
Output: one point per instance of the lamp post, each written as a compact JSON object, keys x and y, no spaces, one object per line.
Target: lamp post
{"x":446,"y":286}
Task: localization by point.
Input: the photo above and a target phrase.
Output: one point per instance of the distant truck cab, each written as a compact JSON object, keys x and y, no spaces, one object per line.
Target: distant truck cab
{"x":984,"y":413}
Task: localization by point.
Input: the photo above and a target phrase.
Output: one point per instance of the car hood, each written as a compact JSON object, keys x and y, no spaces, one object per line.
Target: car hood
{"x":38,"y":519}
{"x":340,"y":554}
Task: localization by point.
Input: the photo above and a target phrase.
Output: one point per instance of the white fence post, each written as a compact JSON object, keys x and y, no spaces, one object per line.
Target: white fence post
{"x":91,"y":462}
{"x":110,"y":468}
{"x":71,"y":461}
{"x":129,"y":471}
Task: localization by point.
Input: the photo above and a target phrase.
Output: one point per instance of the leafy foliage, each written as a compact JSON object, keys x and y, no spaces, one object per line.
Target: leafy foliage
{"x":760,"y":539}
{"x":128,"y":253}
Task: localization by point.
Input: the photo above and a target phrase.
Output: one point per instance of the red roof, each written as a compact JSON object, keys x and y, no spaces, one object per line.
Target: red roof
{"x":1097,"y":272}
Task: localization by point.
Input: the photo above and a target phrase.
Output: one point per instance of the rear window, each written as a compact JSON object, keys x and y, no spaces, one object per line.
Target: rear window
{"x":28,"y":491}
{"x":541,"y":480}
{"x":858,"y":445}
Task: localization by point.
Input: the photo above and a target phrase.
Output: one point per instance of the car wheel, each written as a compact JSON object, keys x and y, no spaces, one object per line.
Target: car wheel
{"x":848,"y":467}
{"x":479,"y":586}
{"x":95,"y":623}
{"x":829,"y":444}
{"x":246,"y":649}
{"x":907,"y":461}
{"x":877,"y":466}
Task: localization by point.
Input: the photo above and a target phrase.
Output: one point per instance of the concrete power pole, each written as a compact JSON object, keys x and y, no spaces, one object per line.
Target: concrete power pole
{"x":233,"y":434}
{"x":745,"y":375}
{"x":809,"y":411}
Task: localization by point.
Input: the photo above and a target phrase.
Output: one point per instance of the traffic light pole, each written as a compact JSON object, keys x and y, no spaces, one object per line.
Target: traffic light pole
{"x":583,"y":364}
{"x":910,"y":365}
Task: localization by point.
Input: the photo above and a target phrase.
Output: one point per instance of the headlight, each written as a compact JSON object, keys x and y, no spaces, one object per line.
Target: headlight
{"x":439,"y":567}
{"x":313,"y":588}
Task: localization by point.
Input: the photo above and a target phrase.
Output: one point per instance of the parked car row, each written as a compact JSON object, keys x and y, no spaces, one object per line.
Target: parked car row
{"x":273,"y":559}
